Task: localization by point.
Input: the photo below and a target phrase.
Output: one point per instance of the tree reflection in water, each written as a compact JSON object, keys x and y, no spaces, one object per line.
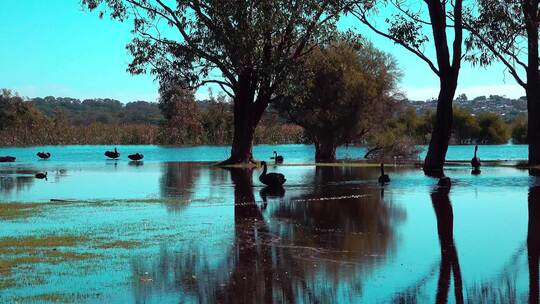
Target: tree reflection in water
{"x":15,"y":180}
{"x":314,"y":247}
{"x":533,"y":242}
{"x":22,"y":179}
{"x":449,"y":257}
{"x":177,"y":182}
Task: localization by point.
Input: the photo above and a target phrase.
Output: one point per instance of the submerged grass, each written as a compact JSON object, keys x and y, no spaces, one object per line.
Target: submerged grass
{"x":56,"y":298}
{"x":7,"y":283}
{"x":42,"y":241}
{"x":16,"y":210}
{"x":30,"y":250}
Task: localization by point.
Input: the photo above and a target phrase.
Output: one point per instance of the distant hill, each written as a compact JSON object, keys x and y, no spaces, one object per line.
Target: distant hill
{"x":508,"y":108}
{"x":105,"y":110}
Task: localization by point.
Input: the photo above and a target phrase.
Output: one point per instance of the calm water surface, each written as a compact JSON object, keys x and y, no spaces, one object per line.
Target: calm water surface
{"x":292,"y":153}
{"x":186,"y":232}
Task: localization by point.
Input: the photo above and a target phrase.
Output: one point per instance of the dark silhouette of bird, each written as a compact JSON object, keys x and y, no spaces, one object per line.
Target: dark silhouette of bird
{"x":136,"y":156}
{"x":444,"y":181}
{"x":44,"y":155}
{"x":476,"y":171}
{"x":475,"y":161}
{"x":112,"y":154}
{"x":277,"y":158}
{"x":41,"y":175}
{"x":384,"y":178}
{"x":271,"y":179}
{"x":7,"y":159}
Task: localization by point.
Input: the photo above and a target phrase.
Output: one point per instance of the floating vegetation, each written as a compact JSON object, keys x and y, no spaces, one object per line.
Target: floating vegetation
{"x":119,"y":244}
{"x":57,"y":298}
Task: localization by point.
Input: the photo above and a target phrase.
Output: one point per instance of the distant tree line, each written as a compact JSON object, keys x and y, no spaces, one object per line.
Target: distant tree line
{"x":58,"y":120}
{"x":179,"y":119}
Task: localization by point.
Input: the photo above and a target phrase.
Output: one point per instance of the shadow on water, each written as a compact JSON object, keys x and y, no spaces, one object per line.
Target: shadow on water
{"x":314,"y":245}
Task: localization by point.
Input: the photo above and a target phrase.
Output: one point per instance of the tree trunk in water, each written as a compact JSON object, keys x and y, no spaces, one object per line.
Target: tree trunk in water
{"x":247,"y":115}
{"x":325,"y":152}
{"x":530,"y":9}
{"x":448,"y":74}
{"x":533,"y":128}
{"x":438,"y":145}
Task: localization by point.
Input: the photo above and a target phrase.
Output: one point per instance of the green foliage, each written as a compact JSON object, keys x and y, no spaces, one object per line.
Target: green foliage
{"x":485,"y":128}
{"x":466,"y":128}
{"x":183,"y":125}
{"x":493,"y":130}
{"x":14,"y":112}
{"x":398,"y":138}
{"x":343,"y":90}
{"x":519,"y":131}
{"x":105,"y":110}
{"x":190,"y":42}
{"x":495,"y":28}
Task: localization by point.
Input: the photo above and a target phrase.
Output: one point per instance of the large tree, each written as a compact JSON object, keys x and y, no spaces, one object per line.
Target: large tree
{"x":246,"y":47}
{"x":343,"y":90}
{"x":405,"y":27}
{"x":507,"y":31}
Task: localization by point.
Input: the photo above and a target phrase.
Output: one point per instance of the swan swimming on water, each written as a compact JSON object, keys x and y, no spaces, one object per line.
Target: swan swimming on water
{"x":136,"y":156}
{"x":271,"y":179}
{"x":384,"y":178}
{"x":277,"y":158}
{"x":112,"y":154}
{"x":44,"y":155}
{"x":7,"y":159}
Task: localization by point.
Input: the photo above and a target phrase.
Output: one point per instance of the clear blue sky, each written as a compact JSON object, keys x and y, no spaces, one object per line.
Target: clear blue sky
{"x":55,"y":48}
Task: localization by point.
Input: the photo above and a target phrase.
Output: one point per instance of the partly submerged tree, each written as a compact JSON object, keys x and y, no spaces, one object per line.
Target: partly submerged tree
{"x":342,"y":91}
{"x":507,"y":31}
{"x":405,"y":27}
{"x":246,"y":47}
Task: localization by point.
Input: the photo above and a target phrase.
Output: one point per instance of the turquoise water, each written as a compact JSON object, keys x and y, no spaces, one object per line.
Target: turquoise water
{"x":292,"y":153}
{"x":202,"y":234}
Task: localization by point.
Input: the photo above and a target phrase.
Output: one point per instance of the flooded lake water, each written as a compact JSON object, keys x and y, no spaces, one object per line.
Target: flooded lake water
{"x":166,"y":231}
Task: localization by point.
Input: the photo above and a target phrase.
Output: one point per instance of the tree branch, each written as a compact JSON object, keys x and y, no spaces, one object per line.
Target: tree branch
{"x":362,"y":17}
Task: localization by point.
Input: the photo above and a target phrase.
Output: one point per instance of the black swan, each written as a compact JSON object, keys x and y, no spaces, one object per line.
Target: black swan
{"x":475,"y":161}
{"x":271,"y":179}
{"x":136,"y":156}
{"x":44,"y":155}
{"x":7,"y":159}
{"x":445,"y":181}
{"x":112,"y":154}
{"x":384,"y":178}
{"x":476,"y":171}
{"x":41,"y":175}
{"x":277,"y":158}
